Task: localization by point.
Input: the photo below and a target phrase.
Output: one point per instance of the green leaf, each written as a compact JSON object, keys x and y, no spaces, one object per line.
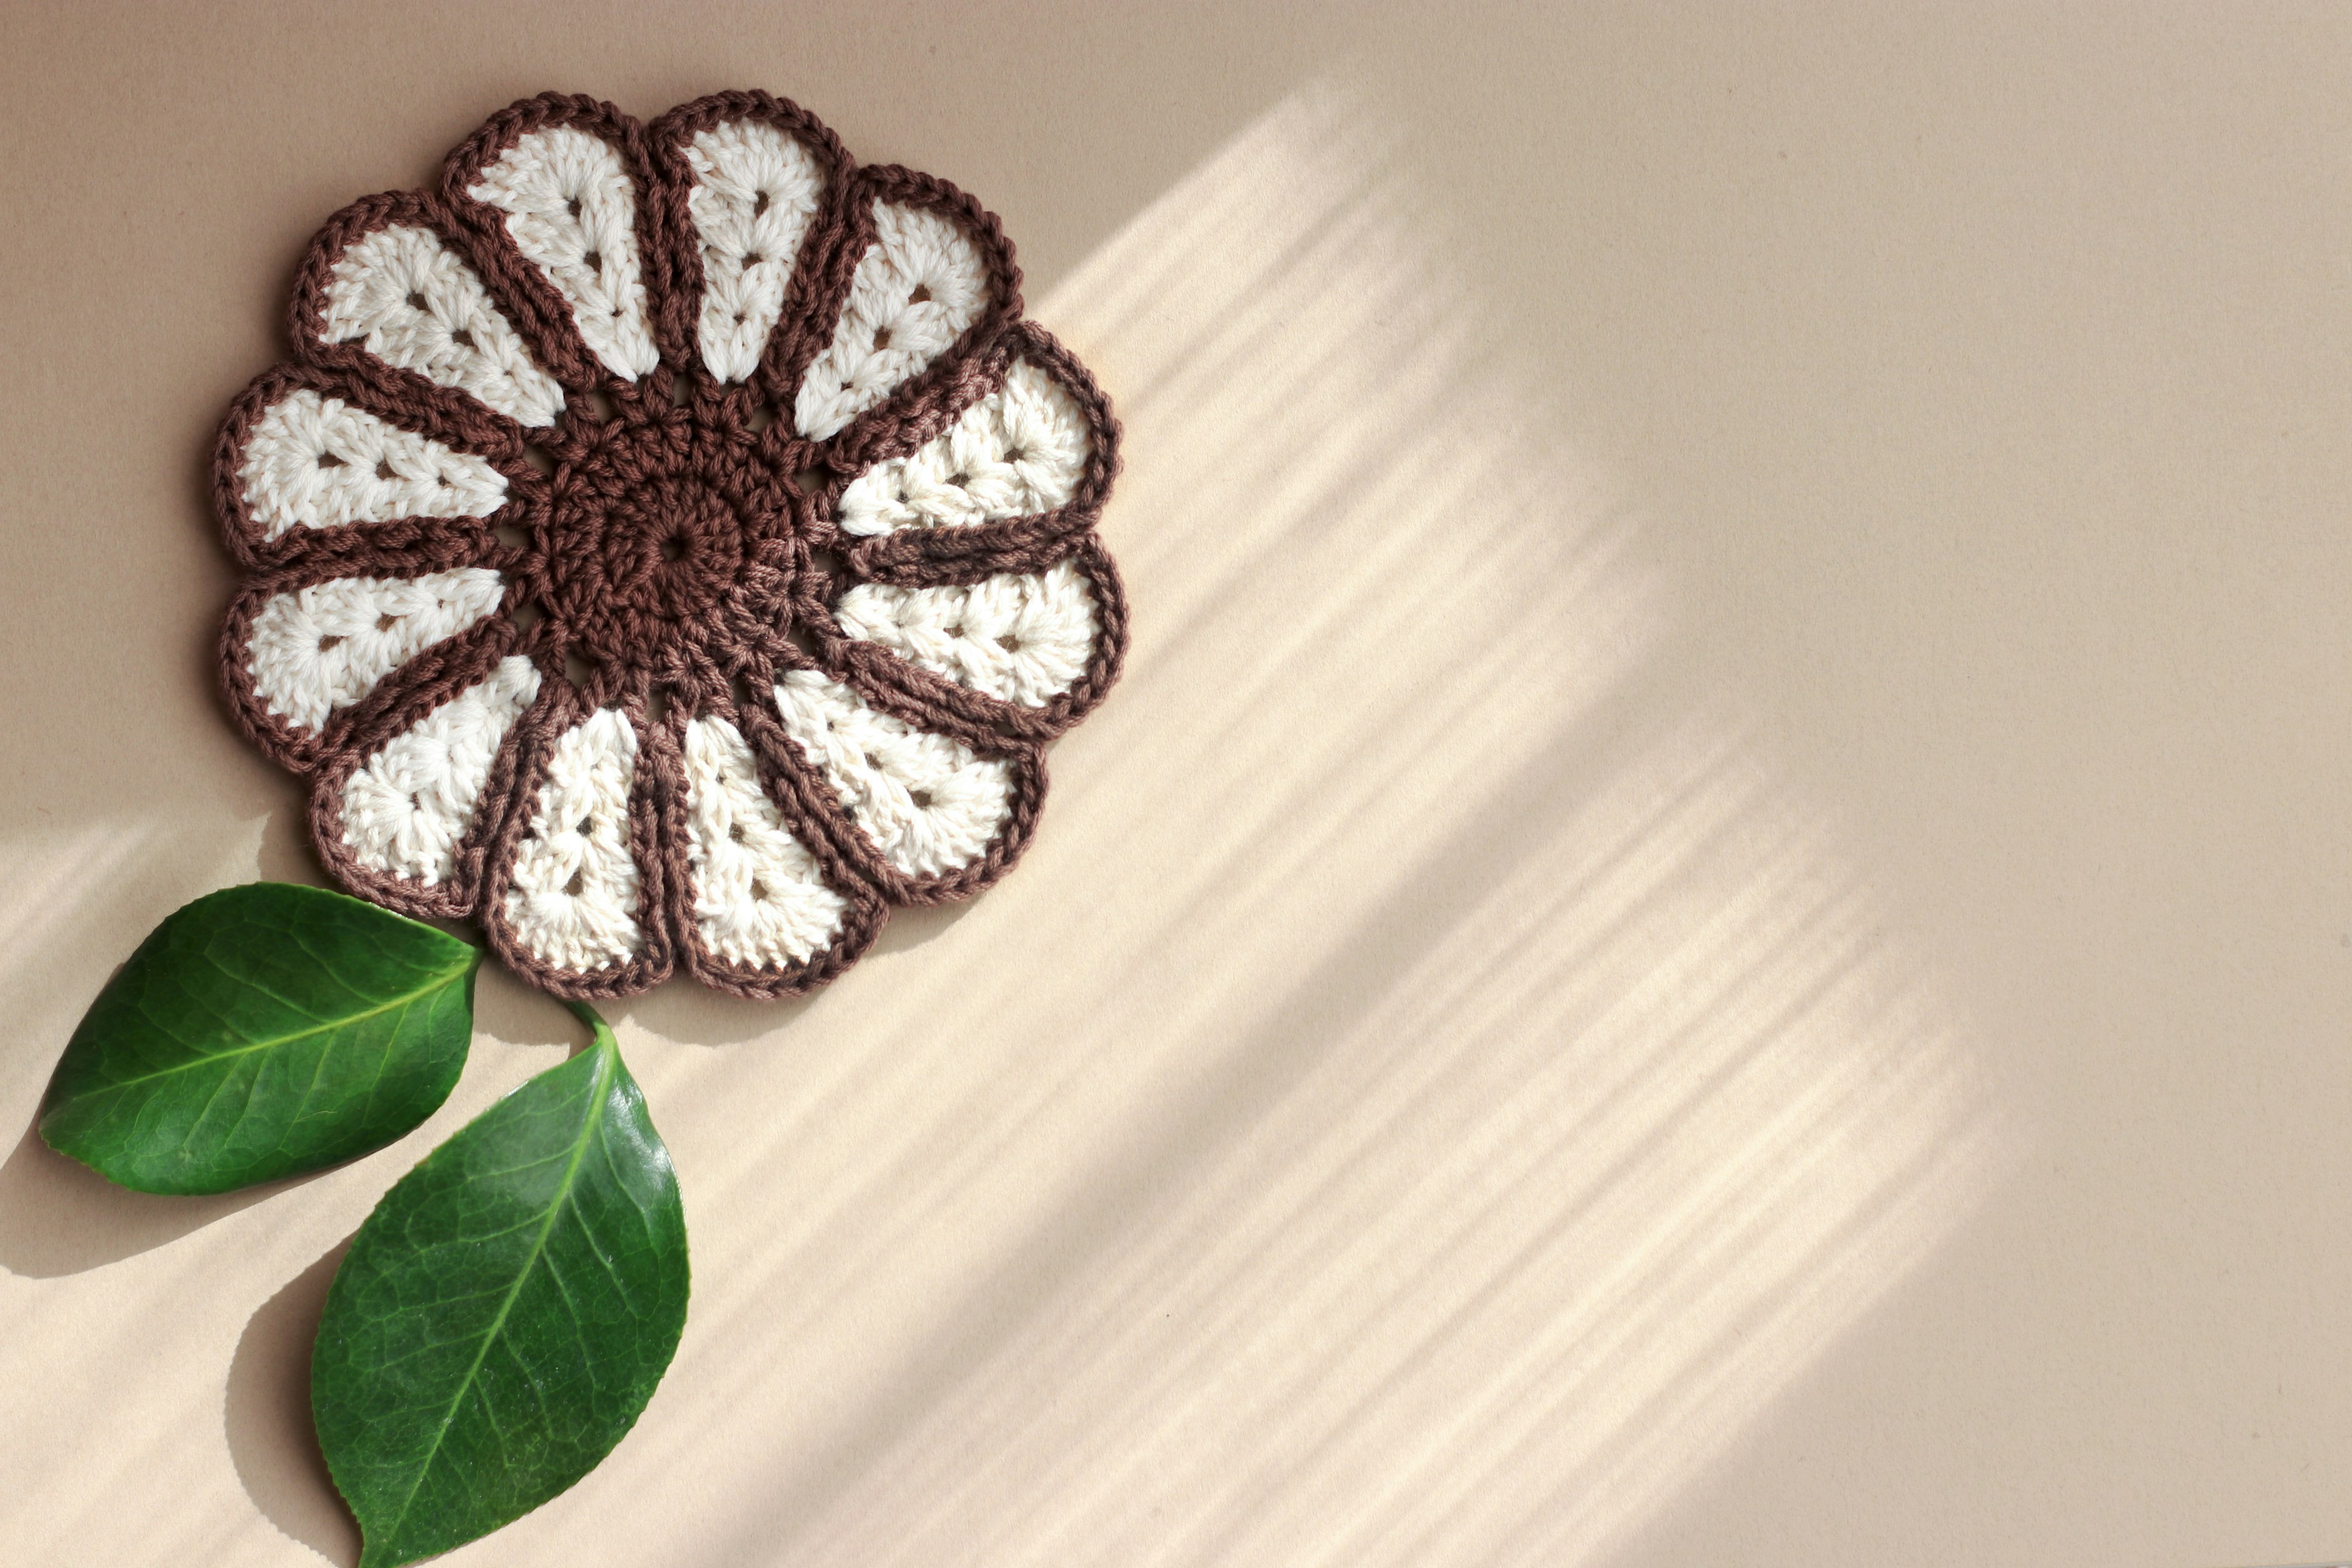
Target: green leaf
{"x":504,"y":1314}
{"x":258,"y":1031}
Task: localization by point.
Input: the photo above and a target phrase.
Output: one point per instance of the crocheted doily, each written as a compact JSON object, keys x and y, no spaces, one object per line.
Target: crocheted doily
{"x":669,"y":546}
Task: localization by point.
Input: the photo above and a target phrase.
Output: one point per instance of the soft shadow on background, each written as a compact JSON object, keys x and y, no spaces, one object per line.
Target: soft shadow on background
{"x":266,"y":1415}
{"x":58,"y":1216}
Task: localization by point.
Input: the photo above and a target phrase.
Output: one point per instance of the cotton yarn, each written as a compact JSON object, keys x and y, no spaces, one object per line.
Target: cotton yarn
{"x":668,"y":546}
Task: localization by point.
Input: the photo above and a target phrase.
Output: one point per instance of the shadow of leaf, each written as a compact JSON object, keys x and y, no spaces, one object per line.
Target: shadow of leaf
{"x":58,"y":1216}
{"x":266,"y":1414}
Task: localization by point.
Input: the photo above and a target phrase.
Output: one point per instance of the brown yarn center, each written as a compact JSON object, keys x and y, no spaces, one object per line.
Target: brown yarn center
{"x":657,"y":528}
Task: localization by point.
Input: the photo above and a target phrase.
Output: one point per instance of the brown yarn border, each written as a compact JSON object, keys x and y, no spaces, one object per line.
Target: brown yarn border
{"x":551,"y":328}
{"x":974,"y":716}
{"x":929,"y":557}
{"x":559,"y":709}
{"x":297,"y":750}
{"x":667,"y":140}
{"x":482,"y":428}
{"x":945,"y":379}
{"x":248,"y":539}
{"x":472,"y":659}
{"x":825,"y":826}
{"x":861,"y":922}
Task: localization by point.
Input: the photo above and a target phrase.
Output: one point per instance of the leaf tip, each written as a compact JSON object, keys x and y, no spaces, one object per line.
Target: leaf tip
{"x":53,"y":1133}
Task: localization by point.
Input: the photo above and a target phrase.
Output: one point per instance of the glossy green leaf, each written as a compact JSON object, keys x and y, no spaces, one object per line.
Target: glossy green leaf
{"x":262,"y":1031}
{"x":504,"y":1314}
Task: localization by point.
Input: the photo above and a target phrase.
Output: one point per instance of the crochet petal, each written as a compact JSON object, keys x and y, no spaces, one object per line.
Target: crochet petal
{"x":301,"y":651}
{"x":920,"y":276}
{"x":1028,"y":652}
{"x":1018,"y":466}
{"x":556,"y":187}
{"x":758,"y":910}
{"x":390,"y":290}
{"x":404,"y":810}
{"x":752,"y":183}
{"x":306,"y":460}
{"x":574,"y":896}
{"x":922,"y":813}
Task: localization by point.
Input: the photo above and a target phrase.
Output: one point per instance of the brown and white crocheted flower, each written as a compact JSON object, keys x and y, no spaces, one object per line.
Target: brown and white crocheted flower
{"x":669,"y":545}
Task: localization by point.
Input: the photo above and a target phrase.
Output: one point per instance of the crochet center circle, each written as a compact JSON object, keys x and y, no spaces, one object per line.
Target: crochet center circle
{"x":658,"y":526}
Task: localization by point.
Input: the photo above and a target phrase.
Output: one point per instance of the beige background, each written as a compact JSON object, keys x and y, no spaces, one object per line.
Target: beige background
{"x":1715,"y":924}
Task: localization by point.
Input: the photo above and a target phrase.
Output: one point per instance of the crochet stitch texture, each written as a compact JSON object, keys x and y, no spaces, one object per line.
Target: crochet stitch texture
{"x":669,"y":546}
